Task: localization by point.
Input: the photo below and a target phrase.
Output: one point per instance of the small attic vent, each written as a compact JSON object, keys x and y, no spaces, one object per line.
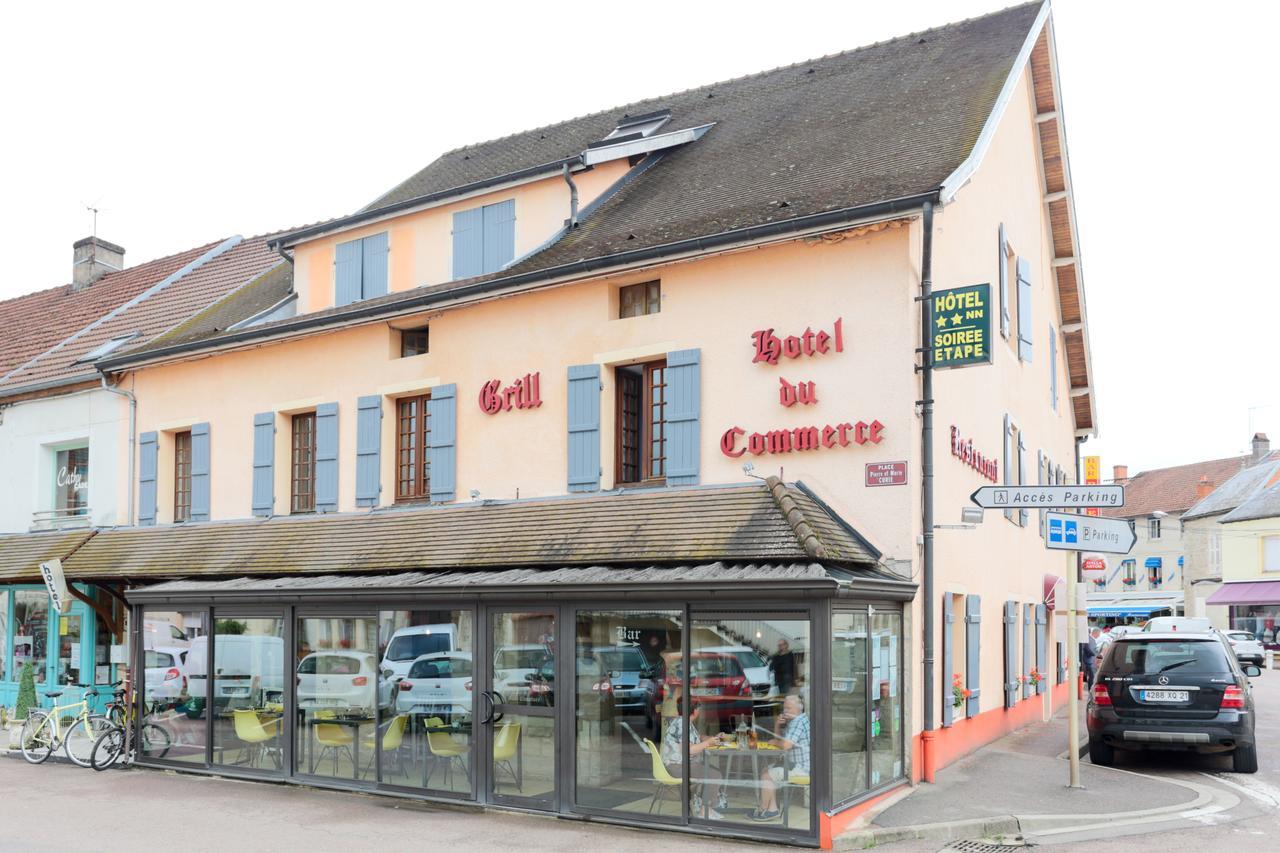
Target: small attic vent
{"x":638,"y":127}
{"x":106,"y":348}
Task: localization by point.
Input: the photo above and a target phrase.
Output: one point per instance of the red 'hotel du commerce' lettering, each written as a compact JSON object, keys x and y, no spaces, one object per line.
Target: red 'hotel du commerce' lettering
{"x":769,"y":346}
{"x":799,"y":438}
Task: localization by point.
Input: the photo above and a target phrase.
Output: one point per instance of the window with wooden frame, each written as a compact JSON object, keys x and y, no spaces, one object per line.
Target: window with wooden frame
{"x":182,"y":476}
{"x":637,"y":300}
{"x":641,"y":423}
{"x":413,"y":431}
{"x":414,"y":342}
{"x":302,"y":464}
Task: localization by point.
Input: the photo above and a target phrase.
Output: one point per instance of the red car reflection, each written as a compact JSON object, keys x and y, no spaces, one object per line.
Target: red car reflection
{"x":718,"y":686}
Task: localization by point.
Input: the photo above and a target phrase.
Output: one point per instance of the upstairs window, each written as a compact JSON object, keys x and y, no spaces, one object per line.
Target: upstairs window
{"x":360,"y":269}
{"x":1130,"y":572}
{"x":1153,"y":528}
{"x":637,"y":300}
{"x":1271,"y":553}
{"x":182,"y":476}
{"x":1024,"y":309}
{"x":71,"y":482}
{"x":414,"y":342}
{"x":642,"y":423}
{"x":413,"y":431}
{"x":302,"y":464}
{"x":484,"y":239}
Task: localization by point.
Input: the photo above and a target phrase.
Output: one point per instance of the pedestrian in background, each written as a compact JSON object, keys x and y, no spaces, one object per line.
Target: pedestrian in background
{"x":1089,"y":655}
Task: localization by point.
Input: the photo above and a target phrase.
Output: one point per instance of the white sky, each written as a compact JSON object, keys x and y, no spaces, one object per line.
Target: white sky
{"x":186,"y":123}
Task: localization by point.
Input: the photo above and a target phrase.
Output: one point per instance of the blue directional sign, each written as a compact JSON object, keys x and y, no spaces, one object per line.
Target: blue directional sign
{"x":1088,"y":533}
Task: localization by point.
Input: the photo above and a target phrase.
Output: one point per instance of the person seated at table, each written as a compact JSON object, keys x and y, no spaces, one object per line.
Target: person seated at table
{"x":790,"y":733}
{"x":672,"y":754}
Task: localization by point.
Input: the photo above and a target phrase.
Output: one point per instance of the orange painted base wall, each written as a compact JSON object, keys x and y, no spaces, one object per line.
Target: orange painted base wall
{"x":952,"y":743}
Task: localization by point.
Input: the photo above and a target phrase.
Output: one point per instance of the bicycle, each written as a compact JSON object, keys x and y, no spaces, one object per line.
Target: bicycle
{"x":42,"y":733}
{"x":110,"y":745}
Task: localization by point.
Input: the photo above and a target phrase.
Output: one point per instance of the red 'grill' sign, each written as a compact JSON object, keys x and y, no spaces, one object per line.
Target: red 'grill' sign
{"x":886,"y":473}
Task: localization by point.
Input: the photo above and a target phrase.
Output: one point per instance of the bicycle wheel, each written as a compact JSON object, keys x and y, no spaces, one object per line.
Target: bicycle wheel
{"x":107,"y":749}
{"x":156,"y":741}
{"x":115,"y":714}
{"x":37,"y":737}
{"x":81,"y":736}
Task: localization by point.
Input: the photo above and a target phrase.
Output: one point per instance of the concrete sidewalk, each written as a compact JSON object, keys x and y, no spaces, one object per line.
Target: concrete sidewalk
{"x":1017,"y":785}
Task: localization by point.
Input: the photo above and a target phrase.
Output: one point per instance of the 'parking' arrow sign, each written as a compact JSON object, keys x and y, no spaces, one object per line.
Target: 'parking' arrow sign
{"x":1066,"y":532}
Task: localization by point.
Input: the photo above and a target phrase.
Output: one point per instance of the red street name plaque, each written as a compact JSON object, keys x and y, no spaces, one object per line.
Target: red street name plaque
{"x":886,"y":473}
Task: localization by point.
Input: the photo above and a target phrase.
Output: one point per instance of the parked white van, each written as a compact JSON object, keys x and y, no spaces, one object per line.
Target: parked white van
{"x":249,"y":670}
{"x":409,"y":644}
{"x":1185,"y":624}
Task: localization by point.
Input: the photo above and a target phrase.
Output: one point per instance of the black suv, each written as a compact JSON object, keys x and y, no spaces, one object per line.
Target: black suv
{"x":1173,"y":691}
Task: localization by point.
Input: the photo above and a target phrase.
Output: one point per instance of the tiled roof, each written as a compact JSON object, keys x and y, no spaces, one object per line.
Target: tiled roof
{"x":730,"y":523}
{"x":1173,"y":490}
{"x":1236,"y":490}
{"x":38,"y":321}
{"x":22,"y":553}
{"x":214,"y":277}
{"x":254,"y":297}
{"x":879,"y":123}
{"x":1263,"y":503}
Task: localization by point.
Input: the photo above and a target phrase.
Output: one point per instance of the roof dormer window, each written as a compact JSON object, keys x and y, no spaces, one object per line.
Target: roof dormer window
{"x":638,"y":127}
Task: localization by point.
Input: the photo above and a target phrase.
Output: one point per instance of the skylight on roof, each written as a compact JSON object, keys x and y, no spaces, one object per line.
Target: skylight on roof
{"x":641,"y":125}
{"x":106,"y":348}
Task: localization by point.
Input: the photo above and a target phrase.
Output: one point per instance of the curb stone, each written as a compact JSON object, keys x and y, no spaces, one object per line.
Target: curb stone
{"x":951,"y":830}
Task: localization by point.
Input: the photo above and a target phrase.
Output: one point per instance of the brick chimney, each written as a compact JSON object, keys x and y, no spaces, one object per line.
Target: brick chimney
{"x":1120,"y":474}
{"x":92,"y":258}
{"x":1261,"y":447}
{"x":1204,"y":488}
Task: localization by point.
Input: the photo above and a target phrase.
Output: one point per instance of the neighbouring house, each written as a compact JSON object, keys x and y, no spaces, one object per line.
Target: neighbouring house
{"x":1209,"y":535}
{"x":1150,"y":579}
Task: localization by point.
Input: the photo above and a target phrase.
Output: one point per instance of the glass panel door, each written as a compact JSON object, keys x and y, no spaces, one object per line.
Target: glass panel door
{"x":886,"y":697}
{"x":621,"y":657}
{"x":426,"y":741}
{"x":247,"y":700}
{"x":339,"y":695}
{"x":520,"y":712}
{"x":849,"y":697}
{"x":748,"y":729}
{"x":175,"y":686}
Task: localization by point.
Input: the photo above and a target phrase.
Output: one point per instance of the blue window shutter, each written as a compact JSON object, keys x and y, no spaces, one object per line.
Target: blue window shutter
{"x":584,"y":428}
{"x":468,"y":243}
{"x":1010,"y":653}
{"x":1007,"y":459}
{"x":948,"y":696}
{"x":200,"y":472}
{"x":684,"y":412}
{"x":499,"y":234}
{"x":1024,"y":309}
{"x":1003,"y":272}
{"x":1042,"y":645}
{"x":373,"y":266}
{"x":1053,"y":368}
{"x":148,"y":463}
{"x":1028,"y":622}
{"x":1022,"y":476}
{"x":442,"y":442}
{"x":327,"y":457}
{"x":264,"y":455}
{"x":347,"y":263}
{"x":368,"y":447}
{"x":1041,"y":465}
{"x":973,"y":652}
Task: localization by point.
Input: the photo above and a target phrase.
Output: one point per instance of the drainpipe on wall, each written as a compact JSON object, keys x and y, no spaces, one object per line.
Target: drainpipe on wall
{"x":133,"y":438}
{"x":928,"y":753}
{"x":573,"y":196}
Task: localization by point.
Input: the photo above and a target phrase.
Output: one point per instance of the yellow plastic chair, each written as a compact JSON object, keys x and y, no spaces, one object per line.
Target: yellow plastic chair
{"x":255,"y":734}
{"x":441,"y":745}
{"x":505,"y":744}
{"x":392,"y":740}
{"x":662,"y":778}
{"x":332,"y":738}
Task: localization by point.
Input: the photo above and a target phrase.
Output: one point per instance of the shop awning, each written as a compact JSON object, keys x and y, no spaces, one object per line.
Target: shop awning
{"x":1153,"y":563}
{"x":1247,"y":592}
{"x":1124,"y":611}
{"x":559,"y":581}
{"x":22,"y":553}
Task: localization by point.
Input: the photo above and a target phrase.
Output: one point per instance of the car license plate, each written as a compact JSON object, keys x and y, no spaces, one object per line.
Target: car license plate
{"x":705,"y":691}
{"x":1165,"y":695}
